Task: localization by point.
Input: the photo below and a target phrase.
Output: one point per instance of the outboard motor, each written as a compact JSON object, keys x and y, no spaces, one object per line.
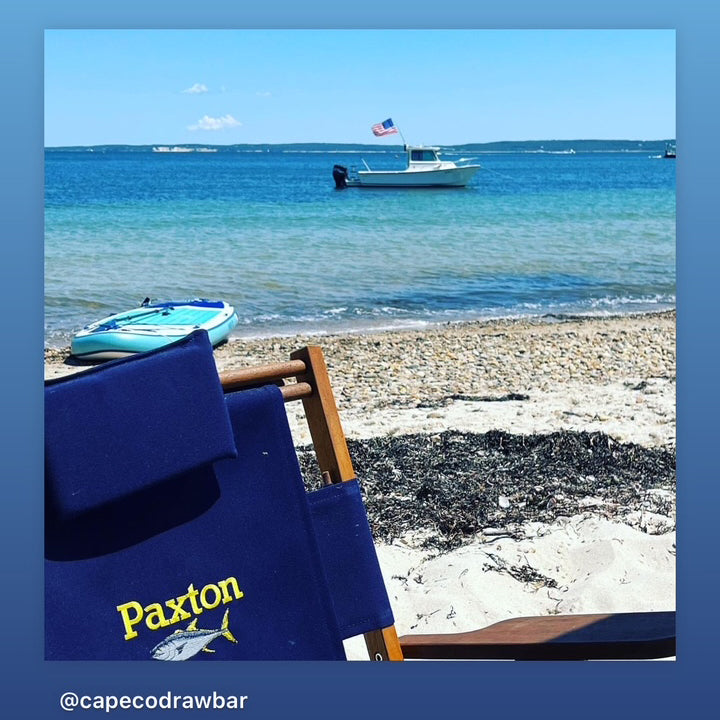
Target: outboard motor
{"x":340,"y":175}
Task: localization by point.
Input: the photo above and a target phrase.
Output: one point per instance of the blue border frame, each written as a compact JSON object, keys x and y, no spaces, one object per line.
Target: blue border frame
{"x":31,"y":687}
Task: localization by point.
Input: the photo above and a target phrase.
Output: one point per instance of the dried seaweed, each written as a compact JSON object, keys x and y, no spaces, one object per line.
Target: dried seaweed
{"x":521,"y":573}
{"x":452,"y":485}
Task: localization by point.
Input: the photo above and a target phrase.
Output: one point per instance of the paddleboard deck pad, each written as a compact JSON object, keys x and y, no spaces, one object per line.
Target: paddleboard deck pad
{"x":151,"y":326}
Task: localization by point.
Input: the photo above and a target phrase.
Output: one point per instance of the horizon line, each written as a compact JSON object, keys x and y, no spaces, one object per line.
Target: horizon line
{"x":373,"y":145}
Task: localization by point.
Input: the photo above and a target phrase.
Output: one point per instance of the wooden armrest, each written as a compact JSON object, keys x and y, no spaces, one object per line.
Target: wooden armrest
{"x":555,"y":637}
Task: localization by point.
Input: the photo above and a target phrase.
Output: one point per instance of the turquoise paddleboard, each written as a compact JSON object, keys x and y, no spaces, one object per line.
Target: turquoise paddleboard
{"x":151,"y":326}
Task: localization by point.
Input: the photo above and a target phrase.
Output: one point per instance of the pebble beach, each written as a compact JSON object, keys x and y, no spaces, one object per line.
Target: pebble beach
{"x":603,"y":381}
{"x":615,"y":374}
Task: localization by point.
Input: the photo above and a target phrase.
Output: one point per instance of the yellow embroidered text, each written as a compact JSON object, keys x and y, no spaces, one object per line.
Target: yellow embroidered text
{"x":179,"y":609}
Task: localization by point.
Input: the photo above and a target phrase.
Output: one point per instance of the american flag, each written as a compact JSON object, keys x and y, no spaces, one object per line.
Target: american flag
{"x":384,"y":128}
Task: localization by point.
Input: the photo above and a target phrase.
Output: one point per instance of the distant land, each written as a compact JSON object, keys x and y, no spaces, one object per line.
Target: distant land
{"x":508,"y":146}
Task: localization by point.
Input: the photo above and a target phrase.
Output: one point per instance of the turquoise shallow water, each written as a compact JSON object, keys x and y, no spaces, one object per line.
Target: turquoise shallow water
{"x":533,"y":234}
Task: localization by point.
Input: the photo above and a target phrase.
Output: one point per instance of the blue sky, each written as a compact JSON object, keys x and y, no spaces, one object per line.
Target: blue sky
{"x":439,"y":86}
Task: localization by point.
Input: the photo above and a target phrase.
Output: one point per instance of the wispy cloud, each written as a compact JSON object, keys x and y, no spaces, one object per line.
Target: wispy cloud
{"x":263,"y":93}
{"x":210,"y":123}
{"x":196,"y":89}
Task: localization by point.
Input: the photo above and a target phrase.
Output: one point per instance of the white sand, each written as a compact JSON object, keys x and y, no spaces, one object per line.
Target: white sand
{"x":599,"y":566}
{"x":644,"y":416}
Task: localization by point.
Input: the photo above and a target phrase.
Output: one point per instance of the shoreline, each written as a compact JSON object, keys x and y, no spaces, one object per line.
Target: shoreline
{"x":286,"y":333}
{"x":423,"y":325}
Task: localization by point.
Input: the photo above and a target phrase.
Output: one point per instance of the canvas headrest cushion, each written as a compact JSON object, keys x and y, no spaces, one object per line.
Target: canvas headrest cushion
{"x":121,"y":428}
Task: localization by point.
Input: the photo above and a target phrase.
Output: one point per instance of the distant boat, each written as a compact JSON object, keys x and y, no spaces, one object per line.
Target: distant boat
{"x":152,"y":325}
{"x":175,"y":149}
{"x":542,"y":150}
{"x":669,"y":151}
{"x":424,"y":168}
{"x":181,"y":149}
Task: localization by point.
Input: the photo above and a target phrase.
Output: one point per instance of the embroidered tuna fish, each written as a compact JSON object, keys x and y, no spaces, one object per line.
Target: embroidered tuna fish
{"x":183,"y":644}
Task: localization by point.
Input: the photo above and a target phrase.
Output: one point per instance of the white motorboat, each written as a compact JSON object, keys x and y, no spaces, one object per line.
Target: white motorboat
{"x":424,"y":169}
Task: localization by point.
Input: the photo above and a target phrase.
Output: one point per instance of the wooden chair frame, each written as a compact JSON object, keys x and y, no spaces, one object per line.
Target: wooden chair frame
{"x":561,"y":637}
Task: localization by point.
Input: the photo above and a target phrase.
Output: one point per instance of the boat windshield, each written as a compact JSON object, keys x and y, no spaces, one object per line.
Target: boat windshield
{"x":423,"y":156}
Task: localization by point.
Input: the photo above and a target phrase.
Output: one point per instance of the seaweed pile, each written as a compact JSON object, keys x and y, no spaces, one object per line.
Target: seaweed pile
{"x":450,"y":486}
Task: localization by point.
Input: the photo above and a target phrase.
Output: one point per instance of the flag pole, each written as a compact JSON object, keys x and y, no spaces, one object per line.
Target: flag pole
{"x":401,"y":135}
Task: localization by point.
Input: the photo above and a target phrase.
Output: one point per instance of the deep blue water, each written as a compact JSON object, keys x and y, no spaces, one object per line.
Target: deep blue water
{"x":533,"y":234}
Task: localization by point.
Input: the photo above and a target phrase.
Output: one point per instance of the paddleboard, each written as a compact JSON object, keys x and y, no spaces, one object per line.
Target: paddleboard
{"x":151,"y":326}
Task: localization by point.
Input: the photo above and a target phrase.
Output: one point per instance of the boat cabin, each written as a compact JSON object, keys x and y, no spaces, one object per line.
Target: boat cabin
{"x":421,"y":157}
{"x":423,"y":154}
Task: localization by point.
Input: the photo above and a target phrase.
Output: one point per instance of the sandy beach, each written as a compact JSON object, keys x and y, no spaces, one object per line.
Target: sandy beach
{"x":609,"y":381}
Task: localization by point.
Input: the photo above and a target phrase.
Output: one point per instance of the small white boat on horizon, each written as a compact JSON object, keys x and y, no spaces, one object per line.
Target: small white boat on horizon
{"x":424,"y":169}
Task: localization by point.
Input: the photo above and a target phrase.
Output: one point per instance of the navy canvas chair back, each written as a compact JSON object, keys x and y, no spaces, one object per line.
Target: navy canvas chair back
{"x":178,"y":526}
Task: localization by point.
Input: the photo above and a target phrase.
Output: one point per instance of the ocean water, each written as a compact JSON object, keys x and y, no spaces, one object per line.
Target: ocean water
{"x":534,"y":234}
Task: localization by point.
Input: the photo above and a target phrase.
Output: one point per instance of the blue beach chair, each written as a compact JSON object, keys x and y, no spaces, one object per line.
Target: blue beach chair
{"x":178,"y":527}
